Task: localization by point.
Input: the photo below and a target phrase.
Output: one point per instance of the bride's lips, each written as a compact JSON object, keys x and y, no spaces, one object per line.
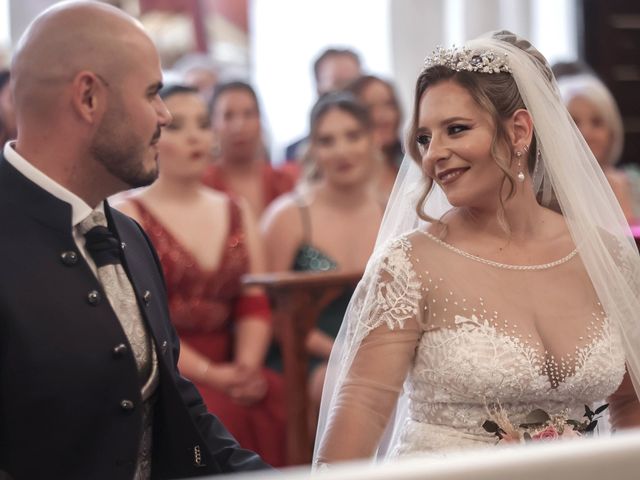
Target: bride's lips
{"x":450,"y":175}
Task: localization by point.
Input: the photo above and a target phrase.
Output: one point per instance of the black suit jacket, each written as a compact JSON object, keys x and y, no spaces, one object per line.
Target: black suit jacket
{"x":66,"y":365}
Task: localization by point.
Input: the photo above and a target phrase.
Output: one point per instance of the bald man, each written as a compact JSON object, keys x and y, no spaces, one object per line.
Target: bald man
{"x":89,"y":387}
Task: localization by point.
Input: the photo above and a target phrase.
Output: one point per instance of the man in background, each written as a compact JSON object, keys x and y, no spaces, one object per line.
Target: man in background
{"x":333,"y":70}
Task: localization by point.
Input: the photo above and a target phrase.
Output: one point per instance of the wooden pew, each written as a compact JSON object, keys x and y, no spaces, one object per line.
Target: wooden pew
{"x":297,"y":298}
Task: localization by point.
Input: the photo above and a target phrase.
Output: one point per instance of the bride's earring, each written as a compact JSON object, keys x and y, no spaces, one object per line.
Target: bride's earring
{"x":520,"y":175}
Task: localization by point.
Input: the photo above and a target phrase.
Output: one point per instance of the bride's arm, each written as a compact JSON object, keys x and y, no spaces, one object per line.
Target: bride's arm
{"x":368,"y":395}
{"x":624,"y":407}
{"x":387,"y":315}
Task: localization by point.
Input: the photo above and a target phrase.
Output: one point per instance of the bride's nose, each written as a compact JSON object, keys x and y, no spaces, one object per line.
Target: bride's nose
{"x":436,"y":152}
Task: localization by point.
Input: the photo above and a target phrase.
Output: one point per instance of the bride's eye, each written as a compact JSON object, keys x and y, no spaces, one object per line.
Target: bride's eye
{"x":453,"y":129}
{"x":423,"y":140}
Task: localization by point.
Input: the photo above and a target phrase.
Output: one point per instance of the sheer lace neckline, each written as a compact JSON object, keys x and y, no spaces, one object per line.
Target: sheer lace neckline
{"x":493,"y":263}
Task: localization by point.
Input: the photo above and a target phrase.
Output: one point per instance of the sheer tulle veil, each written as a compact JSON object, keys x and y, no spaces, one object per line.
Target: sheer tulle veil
{"x":567,"y":172}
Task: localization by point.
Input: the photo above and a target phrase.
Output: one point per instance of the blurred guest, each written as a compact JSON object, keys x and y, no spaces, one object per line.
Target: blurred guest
{"x":379,"y":97}
{"x":240,"y":166}
{"x":331,"y":224}
{"x":595,"y":112}
{"x":206,"y":241}
{"x":198,"y":70}
{"x":7,"y":114}
{"x":333,"y":70}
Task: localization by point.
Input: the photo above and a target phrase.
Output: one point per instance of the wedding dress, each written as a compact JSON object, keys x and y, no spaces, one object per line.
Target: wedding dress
{"x":442,"y":318}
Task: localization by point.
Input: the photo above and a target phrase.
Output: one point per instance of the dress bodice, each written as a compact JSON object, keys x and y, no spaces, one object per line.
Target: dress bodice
{"x":200,"y":300}
{"x":518,"y":336}
{"x":310,"y":258}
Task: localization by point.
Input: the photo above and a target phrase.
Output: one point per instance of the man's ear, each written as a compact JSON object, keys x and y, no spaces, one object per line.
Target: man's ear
{"x":520,"y":129}
{"x":87,"y":96}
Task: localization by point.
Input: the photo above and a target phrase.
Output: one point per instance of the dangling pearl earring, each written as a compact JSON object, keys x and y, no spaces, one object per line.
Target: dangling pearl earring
{"x":520,"y":172}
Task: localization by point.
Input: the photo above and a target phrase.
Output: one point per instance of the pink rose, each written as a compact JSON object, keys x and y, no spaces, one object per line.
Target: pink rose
{"x":549,"y":433}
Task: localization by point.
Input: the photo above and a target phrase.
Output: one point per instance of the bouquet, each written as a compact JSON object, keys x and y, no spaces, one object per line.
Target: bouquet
{"x":539,"y":425}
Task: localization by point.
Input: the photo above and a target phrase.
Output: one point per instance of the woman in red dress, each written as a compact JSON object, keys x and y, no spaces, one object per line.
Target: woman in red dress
{"x":241,"y":167}
{"x":206,"y":241}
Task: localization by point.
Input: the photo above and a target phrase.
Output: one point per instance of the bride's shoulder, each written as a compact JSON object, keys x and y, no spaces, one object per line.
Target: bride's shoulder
{"x":410,"y":246}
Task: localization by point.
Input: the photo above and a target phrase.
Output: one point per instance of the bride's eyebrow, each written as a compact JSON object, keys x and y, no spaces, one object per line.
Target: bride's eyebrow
{"x":445,"y":122}
{"x":450,"y":120}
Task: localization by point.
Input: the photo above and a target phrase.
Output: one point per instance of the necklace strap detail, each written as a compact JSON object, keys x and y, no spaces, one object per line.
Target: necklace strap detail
{"x":506,"y":266}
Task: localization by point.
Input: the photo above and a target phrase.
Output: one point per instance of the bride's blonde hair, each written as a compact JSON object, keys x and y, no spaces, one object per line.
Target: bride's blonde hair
{"x":495,"y":93}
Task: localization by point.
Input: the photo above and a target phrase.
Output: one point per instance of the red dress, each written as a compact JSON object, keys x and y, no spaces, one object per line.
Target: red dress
{"x":274,"y":182}
{"x":202,"y":307}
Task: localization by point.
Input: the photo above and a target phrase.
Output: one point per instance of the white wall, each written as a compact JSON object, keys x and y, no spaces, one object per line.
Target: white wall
{"x":392,"y":36}
{"x":286,"y":38}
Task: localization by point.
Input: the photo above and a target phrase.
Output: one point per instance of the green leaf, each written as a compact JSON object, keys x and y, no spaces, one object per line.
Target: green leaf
{"x":574,"y":423}
{"x":527,"y":437}
{"x":588,"y":413}
{"x":491,"y":427}
{"x":601,"y":408}
{"x":537,"y":416}
{"x":591,"y":426}
{"x":530,"y":425}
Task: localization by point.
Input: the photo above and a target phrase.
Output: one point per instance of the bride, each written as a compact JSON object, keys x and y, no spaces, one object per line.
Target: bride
{"x":514,"y":283}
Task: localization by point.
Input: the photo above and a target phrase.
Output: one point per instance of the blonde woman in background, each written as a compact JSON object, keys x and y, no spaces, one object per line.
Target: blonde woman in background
{"x":596,"y":114}
{"x":380,"y":99}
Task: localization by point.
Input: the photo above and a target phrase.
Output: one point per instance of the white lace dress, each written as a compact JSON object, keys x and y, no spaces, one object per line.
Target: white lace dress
{"x":468,"y":334}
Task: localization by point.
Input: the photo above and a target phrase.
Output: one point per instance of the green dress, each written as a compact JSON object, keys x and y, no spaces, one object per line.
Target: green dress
{"x":310,"y":259}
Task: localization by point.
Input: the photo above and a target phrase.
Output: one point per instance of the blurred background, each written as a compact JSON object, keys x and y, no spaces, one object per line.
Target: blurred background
{"x":273,"y":43}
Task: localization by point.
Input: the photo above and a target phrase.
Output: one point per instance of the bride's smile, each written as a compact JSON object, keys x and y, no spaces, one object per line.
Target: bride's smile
{"x":455,"y":139}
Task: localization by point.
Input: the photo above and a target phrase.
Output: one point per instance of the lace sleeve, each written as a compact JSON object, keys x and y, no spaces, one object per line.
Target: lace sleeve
{"x":384,"y":341}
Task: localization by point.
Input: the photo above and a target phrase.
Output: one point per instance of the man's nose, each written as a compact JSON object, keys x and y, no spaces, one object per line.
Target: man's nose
{"x":164,"y":116}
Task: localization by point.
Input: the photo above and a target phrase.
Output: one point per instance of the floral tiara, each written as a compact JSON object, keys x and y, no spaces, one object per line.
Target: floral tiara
{"x":466,"y":60}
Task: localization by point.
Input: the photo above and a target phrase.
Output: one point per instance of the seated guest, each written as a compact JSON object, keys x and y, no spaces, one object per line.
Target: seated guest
{"x":240,"y":166}
{"x":332,"y":223}
{"x":596,"y":114}
{"x":333,"y":70}
{"x":206,"y":241}
{"x":380,"y":98}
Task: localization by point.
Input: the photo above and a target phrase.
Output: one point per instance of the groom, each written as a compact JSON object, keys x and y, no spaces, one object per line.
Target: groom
{"x":89,"y":387}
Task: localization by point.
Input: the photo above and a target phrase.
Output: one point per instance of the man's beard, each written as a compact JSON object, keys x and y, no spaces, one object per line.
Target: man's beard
{"x":122,"y":153}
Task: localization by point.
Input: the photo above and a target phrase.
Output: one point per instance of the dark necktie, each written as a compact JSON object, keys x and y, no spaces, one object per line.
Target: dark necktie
{"x":103,"y":246}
